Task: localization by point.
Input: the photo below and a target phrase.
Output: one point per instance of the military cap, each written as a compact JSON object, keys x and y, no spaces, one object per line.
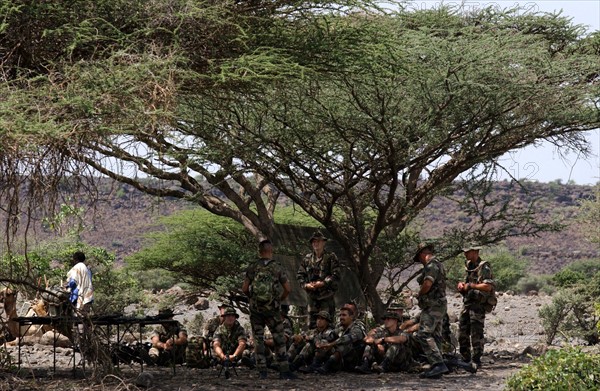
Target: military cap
{"x":325,"y":315}
{"x":392,"y":315}
{"x":471,"y":247}
{"x":318,"y":235}
{"x":230,"y":311}
{"x":421,"y":247}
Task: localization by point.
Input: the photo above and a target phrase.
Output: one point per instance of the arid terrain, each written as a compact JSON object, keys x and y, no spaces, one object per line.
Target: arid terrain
{"x":513,"y":332}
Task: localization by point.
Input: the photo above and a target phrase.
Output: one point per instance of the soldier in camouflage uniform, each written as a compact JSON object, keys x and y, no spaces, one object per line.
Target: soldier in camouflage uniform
{"x":266,"y":311}
{"x":388,"y":346}
{"x":324,"y":333}
{"x":318,"y":275}
{"x":434,"y":305}
{"x":348,"y":348}
{"x":170,"y":342}
{"x":212,"y":324}
{"x":230,"y":338}
{"x":479,"y":284}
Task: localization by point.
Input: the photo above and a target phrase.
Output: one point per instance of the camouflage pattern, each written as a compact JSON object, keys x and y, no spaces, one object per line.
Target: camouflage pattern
{"x":271,"y":317}
{"x":326,"y":269}
{"x":399,"y":355}
{"x":472,"y":317}
{"x":434,"y":306}
{"x":211,"y":325}
{"x":197,"y":354}
{"x":350,"y":345}
{"x":315,"y":338}
{"x":230,"y":338}
{"x":178,"y":353}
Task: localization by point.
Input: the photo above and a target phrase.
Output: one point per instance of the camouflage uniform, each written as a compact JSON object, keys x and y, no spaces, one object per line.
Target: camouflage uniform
{"x":350,"y":345}
{"x":177,"y":352}
{"x":399,"y":355}
{"x":318,"y":337}
{"x":326,"y":269}
{"x":434,"y":306}
{"x":269,"y":315}
{"x":472,"y":316}
{"x":210,"y":327}
{"x":230,"y":338}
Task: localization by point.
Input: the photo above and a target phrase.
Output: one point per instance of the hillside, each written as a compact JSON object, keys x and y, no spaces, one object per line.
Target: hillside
{"x":123,"y":215}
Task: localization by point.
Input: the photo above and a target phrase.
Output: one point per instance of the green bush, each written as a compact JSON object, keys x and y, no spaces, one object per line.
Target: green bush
{"x":567,"y":277}
{"x":566,"y":369}
{"x":534,"y":283}
{"x":588,"y":267}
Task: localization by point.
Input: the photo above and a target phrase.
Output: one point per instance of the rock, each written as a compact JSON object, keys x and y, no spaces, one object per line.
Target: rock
{"x":61,"y":340}
{"x":509,"y":293}
{"x":191,"y":300}
{"x":532,"y":293}
{"x":507,"y":308}
{"x":145,"y":380}
{"x":176,"y":290}
{"x":201,"y":304}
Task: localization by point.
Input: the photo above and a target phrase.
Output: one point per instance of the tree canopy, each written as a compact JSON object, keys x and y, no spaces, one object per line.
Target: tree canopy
{"x":357,"y":114}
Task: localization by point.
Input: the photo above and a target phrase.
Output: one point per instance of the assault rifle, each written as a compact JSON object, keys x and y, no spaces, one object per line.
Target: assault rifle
{"x":226,"y":366}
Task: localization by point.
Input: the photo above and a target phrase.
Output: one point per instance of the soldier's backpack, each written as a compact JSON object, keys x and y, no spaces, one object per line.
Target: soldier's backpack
{"x":489,"y":300}
{"x":197,"y":354}
{"x":264,"y":285}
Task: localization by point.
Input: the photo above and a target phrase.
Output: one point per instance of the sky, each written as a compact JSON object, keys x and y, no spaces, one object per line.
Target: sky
{"x":545,"y":163}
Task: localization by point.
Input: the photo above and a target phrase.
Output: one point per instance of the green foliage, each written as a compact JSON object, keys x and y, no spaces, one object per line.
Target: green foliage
{"x":205,"y":250}
{"x":154,"y":279}
{"x":589,"y":215}
{"x":572,"y":311}
{"x":538,"y":283}
{"x":567,"y":277}
{"x":558,"y":370}
{"x":588,"y":267}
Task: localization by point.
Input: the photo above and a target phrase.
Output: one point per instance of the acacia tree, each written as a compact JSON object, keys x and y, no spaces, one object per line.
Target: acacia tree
{"x":360,"y":116}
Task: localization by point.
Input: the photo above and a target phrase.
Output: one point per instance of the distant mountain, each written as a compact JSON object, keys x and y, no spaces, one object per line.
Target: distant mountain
{"x":122,"y":216}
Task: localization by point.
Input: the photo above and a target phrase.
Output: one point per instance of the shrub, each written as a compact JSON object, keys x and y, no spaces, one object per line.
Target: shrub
{"x":567,"y":277}
{"x":566,"y":369}
{"x":533,"y":283}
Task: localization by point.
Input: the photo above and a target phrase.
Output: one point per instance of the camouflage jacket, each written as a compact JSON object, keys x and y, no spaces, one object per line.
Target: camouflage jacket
{"x":170,"y":331}
{"x":230,"y":338}
{"x":278,"y":275}
{"x":211,"y":325}
{"x":433,"y":271}
{"x":326,"y":269}
{"x":354,"y":334}
{"x":326,"y":336}
{"x":382,"y":332}
{"x":478,"y":273}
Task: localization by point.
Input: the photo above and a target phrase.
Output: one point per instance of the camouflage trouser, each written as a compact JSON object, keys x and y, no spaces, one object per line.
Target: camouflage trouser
{"x":430,"y":331}
{"x":317,"y":305}
{"x":309,"y":351}
{"x":350,"y":354}
{"x":274,"y":321}
{"x":470,"y":333}
{"x":398,"y":355}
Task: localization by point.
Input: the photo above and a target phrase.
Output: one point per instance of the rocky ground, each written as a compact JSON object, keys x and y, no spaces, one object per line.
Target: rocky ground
{"x":513,"y":331}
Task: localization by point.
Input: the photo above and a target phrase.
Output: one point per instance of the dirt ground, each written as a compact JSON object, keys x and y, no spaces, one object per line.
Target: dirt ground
{"x":512,"y":331}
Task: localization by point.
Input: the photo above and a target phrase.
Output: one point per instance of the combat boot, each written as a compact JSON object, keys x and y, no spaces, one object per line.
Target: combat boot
{"x":364,"y":367}
{"x":312,"y":368}
{"x":436,"y":371}
{"x":477,"y":361}
{"x":327,"y":368}
{"x":383,"y":367}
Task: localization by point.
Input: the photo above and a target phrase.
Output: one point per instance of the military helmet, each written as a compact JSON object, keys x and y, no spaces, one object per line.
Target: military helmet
{"x":421,"y":247}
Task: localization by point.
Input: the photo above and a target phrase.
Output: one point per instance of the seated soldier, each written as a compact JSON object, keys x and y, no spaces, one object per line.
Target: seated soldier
{"x":348,"y":348}
{"x":230,"y":340}
{"x":324,"y":333}
{"x":168,"y":345}
{"x":387,"y":345}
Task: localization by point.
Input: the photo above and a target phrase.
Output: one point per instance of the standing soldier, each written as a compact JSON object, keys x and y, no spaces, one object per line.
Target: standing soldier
{"x":433,"y":304}
{"x":478,"y":287}
{"x":318,"y":275}
{"x":267,"y":285}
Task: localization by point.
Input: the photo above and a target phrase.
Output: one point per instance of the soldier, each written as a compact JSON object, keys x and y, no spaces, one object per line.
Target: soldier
{"x":324,"y":333}
{"x":318,"y":275}
{"x":387,"y":346}
{"x":478,"y":286}
{"x":212,"y":324}
{"x":230,"y":338}
{"x":170,"y":343}
{"x":348,"y":348}
{"x":433,"y":304}
{"x":267,"y":285}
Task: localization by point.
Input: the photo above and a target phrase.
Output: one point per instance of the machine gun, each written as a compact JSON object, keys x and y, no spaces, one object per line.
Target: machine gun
{"x":226,"y":368}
